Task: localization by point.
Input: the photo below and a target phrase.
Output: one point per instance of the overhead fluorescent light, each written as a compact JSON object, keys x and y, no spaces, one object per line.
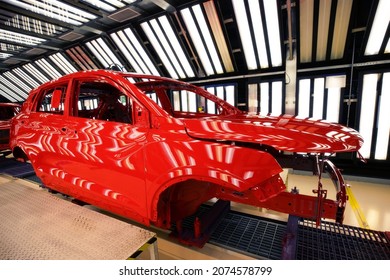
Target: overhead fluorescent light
{"x":323,"y":29}
{"x":343,"y":15}
{"x":387,"y":50}
{"x":14,"y":37}
{"x":26,"y":77}
{"x":36,"y":73}
{"x":9,"y":97}
{"x":202,"y":40}
{"x":272,"y":19}
{"x":13,"y":90}
{"x":367,"y":112}
{"x":216,"y":28}
{"x":334,"y":85}
{"x":379,"y":28}
{"x":163,"y":39}
{"x":254,"y":8}
{"x":5,"y":55}
{"x":110,"y":6}
{"x":382,"y":140}
{"x":230,"y":92}
{"x":81,"y":58}
{"x":55,"y":9}
{"x":48,"y":68}
{"x":245,"y":33}
{"x":253,"y":102}
{"x":15,"y":80}
{"x":62,"y":63}
{"x":103,"y":53}
{"x":306,"y":11}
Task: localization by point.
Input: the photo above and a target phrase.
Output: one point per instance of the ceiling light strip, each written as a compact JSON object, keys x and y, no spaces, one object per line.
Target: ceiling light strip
{"x":273,"y":28}
{"x":379,"y":28}
{"x":62,"y":63}
{"x":7,"y":96}
{"x":343,"y":15}
{"x":55,"y":9}
{"x":245,"y":34}
{"x":204,"y":31}
{"x":277,"y":98}
{"x":382,"y":140}
{"x":318,"y":99}
{"x":182,"y":58}
{"x":12,"y":89}
{"x":159,"y":49}
{"x":323,"y":29}
{"x":19,"y":38}
{"x":164,"y":41}
{"x":86,"y":58}
{"x":37,"y":74}
{"x":258,"y":32}
{"x":15,"y":80}
{"x":306,"y":9}
{"x":91,"y":46}
{"x":197,"y":40}
{"x":77,"y":58}
{"x":26,"y":77}
{"x":127,"y":50}
{"x":216,"y":28}
{"x":50,"y":70}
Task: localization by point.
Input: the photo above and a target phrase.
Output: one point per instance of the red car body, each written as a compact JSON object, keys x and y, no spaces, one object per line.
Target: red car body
{"x":7,"y":112}
{"x":157,"y":161}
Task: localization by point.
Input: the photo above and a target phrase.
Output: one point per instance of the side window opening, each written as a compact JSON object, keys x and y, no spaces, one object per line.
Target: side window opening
{"x":53,"y":101}
{"x":102,"y":101}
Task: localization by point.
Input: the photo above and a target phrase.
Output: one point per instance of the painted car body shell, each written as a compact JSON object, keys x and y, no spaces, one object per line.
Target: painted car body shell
{"x":160,"y":168}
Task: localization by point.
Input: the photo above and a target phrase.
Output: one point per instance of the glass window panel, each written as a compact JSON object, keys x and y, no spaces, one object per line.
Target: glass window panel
{"x":277,"y":103}
{"x":367,"y":112}
{"x":264,"y":98}
{"x":304,"y":98}
{"x":318,"y":102}
{"x":382,"y":140}
{"x":333,"y":105}
{"x":253,"y":103}
{"x":230,"y":95}
{"x":211,"y":105}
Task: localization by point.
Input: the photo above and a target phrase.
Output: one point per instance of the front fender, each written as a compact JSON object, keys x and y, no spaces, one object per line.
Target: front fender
{"x":235,"y":169}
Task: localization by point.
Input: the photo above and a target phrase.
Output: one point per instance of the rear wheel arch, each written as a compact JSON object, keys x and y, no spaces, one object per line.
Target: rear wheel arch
{"x":19,"y":154}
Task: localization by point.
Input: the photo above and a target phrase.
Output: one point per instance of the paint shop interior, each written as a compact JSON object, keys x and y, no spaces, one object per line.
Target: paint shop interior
{"x":313,"y":59}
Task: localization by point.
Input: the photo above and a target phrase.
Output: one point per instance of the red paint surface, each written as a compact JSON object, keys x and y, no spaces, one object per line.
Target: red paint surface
{"x":163,"y":165}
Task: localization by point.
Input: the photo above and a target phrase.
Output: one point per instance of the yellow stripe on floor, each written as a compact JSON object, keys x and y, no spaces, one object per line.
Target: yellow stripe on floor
{"x":356,"y":209}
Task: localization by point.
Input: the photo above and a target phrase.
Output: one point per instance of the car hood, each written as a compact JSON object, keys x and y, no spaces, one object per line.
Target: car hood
{"x":285,"y":133}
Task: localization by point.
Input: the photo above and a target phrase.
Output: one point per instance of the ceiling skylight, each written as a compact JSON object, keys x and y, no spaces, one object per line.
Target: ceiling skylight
{"x":18,"y":38}
{"x":162,"y":37}
{"x":379,"y":28}
{"x":63,"y":63}
{"x":266,"y":32}
{"x":48,"y":68}
{"x":55,"y":9}
{"x":135,"y":54}
{"x":104,"y":54}
{"x":201,"y":37}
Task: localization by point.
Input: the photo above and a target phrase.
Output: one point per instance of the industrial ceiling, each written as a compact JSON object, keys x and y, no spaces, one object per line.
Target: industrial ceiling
{"x":295,"y":43}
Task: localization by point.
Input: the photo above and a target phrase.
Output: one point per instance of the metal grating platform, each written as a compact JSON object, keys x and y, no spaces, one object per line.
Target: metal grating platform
{"x":257,"y":236}
{"x":340,"y":242}
{"x":37,"y":225}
